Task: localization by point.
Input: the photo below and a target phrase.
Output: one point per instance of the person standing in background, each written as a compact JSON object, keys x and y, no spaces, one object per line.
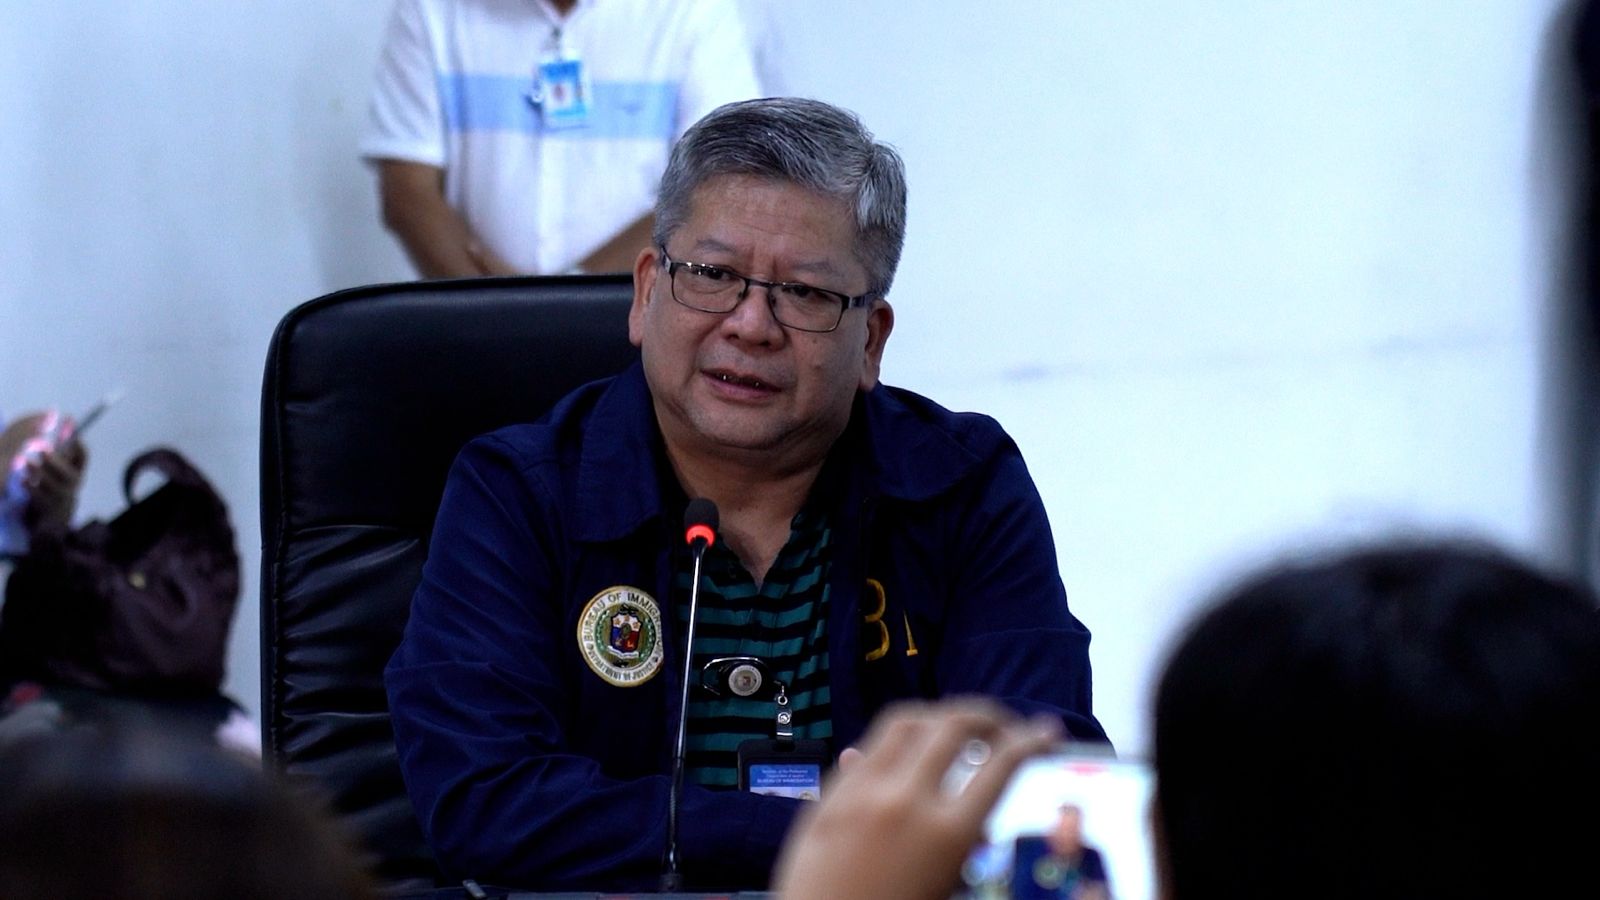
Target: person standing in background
{"x":529,"y":137}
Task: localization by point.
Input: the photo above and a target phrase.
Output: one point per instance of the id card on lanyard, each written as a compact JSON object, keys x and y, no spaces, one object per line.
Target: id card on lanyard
{"x":785,"y":766}
{"x":561,"y":90}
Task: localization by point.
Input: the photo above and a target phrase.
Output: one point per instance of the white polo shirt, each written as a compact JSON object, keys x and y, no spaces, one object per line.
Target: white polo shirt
{"x":456,"y":89}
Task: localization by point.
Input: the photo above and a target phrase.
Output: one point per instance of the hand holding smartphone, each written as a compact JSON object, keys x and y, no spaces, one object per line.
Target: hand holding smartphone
{"x":43,"y":469}
{"x":54,"y":430}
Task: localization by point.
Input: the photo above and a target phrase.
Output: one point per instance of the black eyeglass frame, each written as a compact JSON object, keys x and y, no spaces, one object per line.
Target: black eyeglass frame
{"x":846,"y":302}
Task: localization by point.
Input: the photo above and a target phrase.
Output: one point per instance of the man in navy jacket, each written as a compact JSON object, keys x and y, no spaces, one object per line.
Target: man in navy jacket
{"x":874,"y":546}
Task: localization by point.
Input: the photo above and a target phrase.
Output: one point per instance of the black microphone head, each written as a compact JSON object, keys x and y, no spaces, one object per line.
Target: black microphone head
{"x":700,"y":524}
{"x":700,"y":512}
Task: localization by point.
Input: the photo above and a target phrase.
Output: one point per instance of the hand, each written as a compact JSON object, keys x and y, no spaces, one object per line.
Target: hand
{"x":52,"y":481}
{"x":435,"y":236}
{"x":488,"y":261}
{"x":886,"y":828}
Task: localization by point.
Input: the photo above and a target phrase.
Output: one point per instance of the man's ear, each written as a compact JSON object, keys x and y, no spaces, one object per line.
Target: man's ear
{"x":646,"y":270}
{"x":880,"y":321}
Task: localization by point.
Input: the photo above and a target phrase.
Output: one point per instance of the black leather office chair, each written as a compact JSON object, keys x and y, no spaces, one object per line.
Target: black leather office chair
{"x":368,"y":395}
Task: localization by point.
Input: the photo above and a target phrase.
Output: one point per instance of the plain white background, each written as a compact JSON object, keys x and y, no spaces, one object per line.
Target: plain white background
{"x":1241,"y":277}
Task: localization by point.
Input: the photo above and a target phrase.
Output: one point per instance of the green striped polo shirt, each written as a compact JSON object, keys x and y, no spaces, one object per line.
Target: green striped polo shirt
{"x":783,"y":622}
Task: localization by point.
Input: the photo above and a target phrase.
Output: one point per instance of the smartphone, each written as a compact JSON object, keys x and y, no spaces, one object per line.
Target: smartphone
{"x":1071,"y":824}
{"x":83,"y":422}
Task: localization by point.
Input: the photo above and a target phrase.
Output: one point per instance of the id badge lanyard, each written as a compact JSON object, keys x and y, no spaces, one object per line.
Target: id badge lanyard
{"x":561,"y":91}
{"x":782,"y":765}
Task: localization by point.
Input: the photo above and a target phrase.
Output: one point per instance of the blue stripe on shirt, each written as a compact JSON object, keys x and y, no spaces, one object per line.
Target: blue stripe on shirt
{"x":621,"y":109}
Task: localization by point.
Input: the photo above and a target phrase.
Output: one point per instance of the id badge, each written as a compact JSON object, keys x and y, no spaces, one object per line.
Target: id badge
{"x":563,"y":93}
{"x":783,"y":768}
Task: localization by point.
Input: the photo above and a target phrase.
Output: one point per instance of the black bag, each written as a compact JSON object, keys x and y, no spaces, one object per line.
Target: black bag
{"x":141,"y":604}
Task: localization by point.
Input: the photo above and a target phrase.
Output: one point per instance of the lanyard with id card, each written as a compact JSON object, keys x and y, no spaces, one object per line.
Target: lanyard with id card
{"x":561,"y":91}
{"x":784,"y":766}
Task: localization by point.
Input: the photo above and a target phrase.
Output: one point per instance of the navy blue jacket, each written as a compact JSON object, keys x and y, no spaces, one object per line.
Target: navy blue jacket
{"x":526,"y":768}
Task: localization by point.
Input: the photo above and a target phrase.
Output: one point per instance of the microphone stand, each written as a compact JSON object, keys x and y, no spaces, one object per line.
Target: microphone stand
{"x":672,"y":878}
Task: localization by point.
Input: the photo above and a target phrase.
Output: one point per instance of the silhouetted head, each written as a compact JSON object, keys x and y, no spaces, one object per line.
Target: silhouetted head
{"x":1412,"y":721}
{"x":134,"y":816}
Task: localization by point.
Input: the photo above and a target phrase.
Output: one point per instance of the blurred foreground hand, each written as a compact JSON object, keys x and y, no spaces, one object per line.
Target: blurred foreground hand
{"x":888,"y":828}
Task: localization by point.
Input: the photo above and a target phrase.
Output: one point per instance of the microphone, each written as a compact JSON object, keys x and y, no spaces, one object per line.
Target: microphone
{"x":699,"y":532}
{"x":700,"y":525}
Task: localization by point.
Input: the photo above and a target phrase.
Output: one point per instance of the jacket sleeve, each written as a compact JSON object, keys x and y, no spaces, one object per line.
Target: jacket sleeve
{"x":480,"y":706}
{"x":1008,"y":630}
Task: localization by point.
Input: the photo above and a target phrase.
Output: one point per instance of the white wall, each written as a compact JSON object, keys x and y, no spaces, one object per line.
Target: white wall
{"x":1238,"y":275}
{"x":175,"y":175}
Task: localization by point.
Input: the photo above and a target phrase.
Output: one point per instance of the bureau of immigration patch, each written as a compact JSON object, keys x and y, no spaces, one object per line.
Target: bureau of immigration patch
{"x":619,"y":634}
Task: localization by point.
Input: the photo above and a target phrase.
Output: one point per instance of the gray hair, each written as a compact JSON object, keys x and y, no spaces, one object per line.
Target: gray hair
{"x":806,"y":142}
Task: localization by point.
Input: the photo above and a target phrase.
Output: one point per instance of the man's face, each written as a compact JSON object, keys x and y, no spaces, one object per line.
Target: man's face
{"x":1066,"y":839}
{"x":740,"y":382}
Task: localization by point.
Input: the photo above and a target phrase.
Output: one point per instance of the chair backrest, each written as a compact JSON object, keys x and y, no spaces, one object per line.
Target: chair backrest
{"x":368,"y":395}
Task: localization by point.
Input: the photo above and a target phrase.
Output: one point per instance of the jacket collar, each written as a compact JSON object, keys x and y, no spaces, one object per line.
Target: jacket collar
{"x":618,"y":485}
{"x":917,"y":448}
{"x":910,"y":448}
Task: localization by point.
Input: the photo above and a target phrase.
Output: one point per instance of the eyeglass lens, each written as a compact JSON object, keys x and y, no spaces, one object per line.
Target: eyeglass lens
{"x":713,"y":289}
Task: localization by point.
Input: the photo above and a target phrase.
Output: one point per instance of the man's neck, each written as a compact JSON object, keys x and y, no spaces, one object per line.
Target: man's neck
{"x":756,"y":505}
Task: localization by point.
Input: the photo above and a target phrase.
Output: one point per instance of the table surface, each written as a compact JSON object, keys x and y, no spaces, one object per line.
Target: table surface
{"x":497,"y":893}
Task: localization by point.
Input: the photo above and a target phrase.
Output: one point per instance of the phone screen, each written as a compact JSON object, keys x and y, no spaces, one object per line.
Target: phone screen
{"x":1071,"y":826}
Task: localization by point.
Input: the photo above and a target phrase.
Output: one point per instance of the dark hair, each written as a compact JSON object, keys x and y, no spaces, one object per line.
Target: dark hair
{"x":1396,"y":722}
{"x":134,"y":816}
{"x":805,"y":142}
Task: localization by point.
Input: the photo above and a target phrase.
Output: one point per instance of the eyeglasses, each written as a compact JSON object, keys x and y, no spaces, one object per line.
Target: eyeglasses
{"x":718,"y":289}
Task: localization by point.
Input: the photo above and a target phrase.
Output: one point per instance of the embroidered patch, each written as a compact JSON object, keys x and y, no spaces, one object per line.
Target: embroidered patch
{"x":619,"y":635}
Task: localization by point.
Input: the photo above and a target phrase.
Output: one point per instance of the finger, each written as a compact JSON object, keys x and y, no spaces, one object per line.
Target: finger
{"x":33,"y":475}
{"x":57,"y":466}
{"x":74,"y":453}
{"x":915,"y":742}
{"x":485,"y":260}
{"x":50,"y":474}
{"x":1009,"y":749}
{"x":894,"y":737}
{"x":960,"y":723}
{"x":847,"y":758}
{"x":50,"y":493}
